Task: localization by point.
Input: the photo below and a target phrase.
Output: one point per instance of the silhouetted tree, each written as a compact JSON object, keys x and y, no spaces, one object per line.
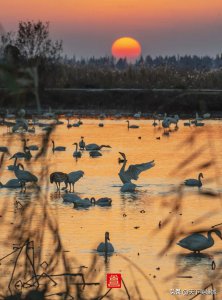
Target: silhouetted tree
{"x":33,"y":41}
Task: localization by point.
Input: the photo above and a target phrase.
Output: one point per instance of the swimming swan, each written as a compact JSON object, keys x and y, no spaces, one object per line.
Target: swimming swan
{"x":58,"y":148}
{"x":131,"y":126}
{"x":197,"y":242}
{"x":194,"y":182}
{"x":105,"y":247}
{"x":102,"y":201}
{"x":84,"y":203}
{"x":11,"y":184}
{"x":77,"y":153}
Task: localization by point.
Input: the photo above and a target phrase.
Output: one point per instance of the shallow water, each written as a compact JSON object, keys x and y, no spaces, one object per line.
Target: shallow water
{"x":135,"y":234}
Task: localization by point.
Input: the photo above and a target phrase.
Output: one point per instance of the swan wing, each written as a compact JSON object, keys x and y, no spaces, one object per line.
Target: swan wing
{"x":195,"y":241}
{"x":110,"y":248}
{"x":60,"y":148}
{"x":33,"y":147}
{"x":128,"y":187}
{"x":134,"y":170}
{"x":71,"y":198}
{"x":19,"y":154}
{"x":192,"y":182}
{"x":101,"y":247}
{"x":105,"y":199}
{"x":58,"y":177}
{"x":13,"y":183}
{"x":75,"y":176}
{"x":92,"y":147}
{"x":27,"y":176}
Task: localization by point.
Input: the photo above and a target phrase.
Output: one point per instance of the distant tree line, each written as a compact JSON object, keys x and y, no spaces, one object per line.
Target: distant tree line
{"x":32,"y":46}
{"x":186,"y":62}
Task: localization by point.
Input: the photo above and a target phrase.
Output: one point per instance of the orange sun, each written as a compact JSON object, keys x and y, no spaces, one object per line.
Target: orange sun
{"x":126,"y":47}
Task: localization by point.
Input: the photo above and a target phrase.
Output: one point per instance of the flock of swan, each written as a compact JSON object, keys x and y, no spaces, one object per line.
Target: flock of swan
{"x":195,"y":242}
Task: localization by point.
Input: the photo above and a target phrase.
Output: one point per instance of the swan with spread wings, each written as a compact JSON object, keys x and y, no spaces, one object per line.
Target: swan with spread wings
{"x":132,"y":173}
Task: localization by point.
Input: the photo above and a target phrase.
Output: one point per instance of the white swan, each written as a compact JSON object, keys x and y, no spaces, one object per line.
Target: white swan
{"x":77,"y":124}
{"x":133,"y":172}
{"x":194,"y":182}
{"x":72,"y":178}
{"x":4,"y":150}
{"x":167,"y":121}
{"x":105,"y":247}
{"x":198,"y":124}
{"x":137,"y":115}
{"x":102,"y":201}
{"x":174,"y":120}
{"x":20,"y":125}
{"x":91,"y":147}
{"x":206,"y":115}
{"x":77,"y":153}
{"x":84,"y":203}
{"x":187,"y":123}
{"x":71,"y":198}
{"x":131,"y":126}
{"x":14,"y":166}
{"x":128,"y":187}
{"x":197,"y":120}
{"x":58,"y":148}
{"x":24,"y":177}
{"x":59,"y":177}
{"x":26,"y":154}
{"x":31,"y":147}
{"x":11,"y":184}
{"x":166,"y":124}
{"x":95,"y":153}
{"x":82,"y":144}
{"x":197,"y":242}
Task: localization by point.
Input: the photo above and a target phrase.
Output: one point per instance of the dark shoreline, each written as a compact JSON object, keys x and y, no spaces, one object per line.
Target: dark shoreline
{"x":125,"y":101}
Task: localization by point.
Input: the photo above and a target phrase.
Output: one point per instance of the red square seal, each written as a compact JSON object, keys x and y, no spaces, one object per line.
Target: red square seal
{"x":113,"y":280}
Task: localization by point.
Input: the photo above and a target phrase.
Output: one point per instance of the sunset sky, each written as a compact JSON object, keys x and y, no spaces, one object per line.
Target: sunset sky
{"x":89,"y":27}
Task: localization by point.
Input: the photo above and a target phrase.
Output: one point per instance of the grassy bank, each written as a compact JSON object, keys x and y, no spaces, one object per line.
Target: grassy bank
{"x":171,"y":101}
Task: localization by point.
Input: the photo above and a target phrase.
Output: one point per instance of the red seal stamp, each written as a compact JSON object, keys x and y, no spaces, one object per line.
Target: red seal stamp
{"x":113,"y":280}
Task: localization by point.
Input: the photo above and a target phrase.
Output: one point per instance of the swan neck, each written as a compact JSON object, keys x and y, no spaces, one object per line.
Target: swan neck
{"x":16,"y":170}
{"x":102,"y":146}
{"x":15,"y":161}
{"x":106,"y":246}
{"x":124,"y":165}
{"x":209,"y":237}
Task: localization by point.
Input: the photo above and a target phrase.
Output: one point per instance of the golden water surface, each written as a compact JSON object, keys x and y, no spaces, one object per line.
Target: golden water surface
{"x":149,"y":268}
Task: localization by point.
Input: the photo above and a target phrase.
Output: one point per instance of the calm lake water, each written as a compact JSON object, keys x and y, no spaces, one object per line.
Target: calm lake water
{"x":133,"y":219}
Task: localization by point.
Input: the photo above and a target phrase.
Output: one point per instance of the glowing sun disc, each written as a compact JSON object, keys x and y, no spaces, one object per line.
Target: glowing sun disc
{"x":126,"y":47}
